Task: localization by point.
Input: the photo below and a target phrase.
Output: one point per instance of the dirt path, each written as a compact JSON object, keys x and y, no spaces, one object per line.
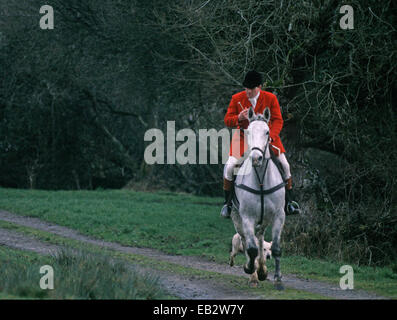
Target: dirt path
{"x":186,"y":288}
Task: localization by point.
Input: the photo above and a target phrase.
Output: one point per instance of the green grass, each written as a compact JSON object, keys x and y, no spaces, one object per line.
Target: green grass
{"x":77,"y":275}
{"x":173,"y":223}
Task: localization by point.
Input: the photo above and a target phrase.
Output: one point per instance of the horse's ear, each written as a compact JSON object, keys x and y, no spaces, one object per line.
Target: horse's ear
{"x":266,"y":114}
{"x":251,"y":114}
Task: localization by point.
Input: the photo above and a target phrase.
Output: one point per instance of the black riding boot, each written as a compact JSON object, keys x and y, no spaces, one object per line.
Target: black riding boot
{"x":291,"y":206}
{"x":227,"y":205}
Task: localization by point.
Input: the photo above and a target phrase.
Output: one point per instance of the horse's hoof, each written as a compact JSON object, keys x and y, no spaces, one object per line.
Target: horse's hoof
{"x":253,"y":284}
{"x":262,"y":276}
{"x":250,"y":267}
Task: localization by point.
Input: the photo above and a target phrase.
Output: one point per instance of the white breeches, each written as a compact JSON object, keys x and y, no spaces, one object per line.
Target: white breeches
{"x":285,"y":165}
{"x":229,"y":168}
{"x":232,"y":161}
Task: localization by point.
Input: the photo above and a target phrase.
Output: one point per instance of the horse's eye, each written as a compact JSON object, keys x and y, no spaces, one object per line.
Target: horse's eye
{"x":267,"y":133}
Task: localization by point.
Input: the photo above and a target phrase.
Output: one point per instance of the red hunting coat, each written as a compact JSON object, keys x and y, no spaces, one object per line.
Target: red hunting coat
{"x":265,"y":99}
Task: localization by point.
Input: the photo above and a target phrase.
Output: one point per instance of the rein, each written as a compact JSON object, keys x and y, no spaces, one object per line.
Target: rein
{"x":261,"y":191}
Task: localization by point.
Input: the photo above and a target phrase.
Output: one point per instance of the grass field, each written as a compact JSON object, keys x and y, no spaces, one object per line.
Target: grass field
{"x":79,"y":275}
{"x":173,"y":223}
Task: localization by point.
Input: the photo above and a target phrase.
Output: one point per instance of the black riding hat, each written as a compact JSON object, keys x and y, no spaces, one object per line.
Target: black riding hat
{"x":252,"y":80}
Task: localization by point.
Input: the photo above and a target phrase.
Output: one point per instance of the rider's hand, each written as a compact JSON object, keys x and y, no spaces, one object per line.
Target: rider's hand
{"x":243,"y":115}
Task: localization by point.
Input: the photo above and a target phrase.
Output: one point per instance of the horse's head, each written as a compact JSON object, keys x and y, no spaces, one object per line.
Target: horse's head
{"x":258,"y":135}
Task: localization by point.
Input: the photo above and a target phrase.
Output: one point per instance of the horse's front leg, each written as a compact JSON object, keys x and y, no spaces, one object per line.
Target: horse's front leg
{"x":276,"y":250}
{"x":250,"y":247}
{"x":253,"y":280}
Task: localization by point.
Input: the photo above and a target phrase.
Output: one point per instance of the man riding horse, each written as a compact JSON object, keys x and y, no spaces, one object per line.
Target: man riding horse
{"x":236,"y":116}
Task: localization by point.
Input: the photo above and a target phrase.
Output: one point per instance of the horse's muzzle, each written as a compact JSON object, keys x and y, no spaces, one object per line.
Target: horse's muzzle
{"x":257,"y":162}
{"x":257,"y":158}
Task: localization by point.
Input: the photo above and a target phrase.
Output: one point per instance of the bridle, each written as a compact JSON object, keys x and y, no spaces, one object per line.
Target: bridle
{"x":261,"y":191}
{"x":267,"y":143}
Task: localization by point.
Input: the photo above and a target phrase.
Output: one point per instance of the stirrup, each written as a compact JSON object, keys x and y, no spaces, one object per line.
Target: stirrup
{"x":293,"y":208}
{"x":226,"y":211}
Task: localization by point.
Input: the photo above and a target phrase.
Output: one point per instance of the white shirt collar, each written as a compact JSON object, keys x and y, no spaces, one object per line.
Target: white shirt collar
{"x":254,"y":99}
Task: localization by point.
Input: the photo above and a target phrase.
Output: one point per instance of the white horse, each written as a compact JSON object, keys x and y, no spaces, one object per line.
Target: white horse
{"x":259,"y":188}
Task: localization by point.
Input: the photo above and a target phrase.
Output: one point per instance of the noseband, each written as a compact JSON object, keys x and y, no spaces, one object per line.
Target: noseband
{"x":260,"y":150}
